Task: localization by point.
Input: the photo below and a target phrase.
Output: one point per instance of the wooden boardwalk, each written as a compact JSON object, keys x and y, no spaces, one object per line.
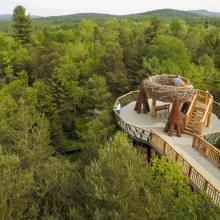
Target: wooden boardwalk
{"x":202,"y":173}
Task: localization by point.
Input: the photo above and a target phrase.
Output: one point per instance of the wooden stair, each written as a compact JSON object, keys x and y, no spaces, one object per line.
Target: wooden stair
{"x":199,"y":113}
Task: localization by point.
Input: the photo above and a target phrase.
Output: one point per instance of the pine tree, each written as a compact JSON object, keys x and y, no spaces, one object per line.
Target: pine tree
{"x":22,"y":25}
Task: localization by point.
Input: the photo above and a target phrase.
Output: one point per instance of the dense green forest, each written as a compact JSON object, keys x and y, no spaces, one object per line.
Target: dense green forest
{"x":61,"y":154}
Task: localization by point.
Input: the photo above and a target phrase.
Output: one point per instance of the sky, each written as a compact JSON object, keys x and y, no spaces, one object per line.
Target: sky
{"x":119,"y":7}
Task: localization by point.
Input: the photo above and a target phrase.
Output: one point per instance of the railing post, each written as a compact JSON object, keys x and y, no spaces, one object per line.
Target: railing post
{"x":190,"y":172}
{"x":207,"y":97}
{"x":205,"y":185}
{"x":209,"y":116}
{"x":201,"y":126}
{"x":194,"y":140}
{"x":151,"y":138}
{"x":206,"y":150}
{"x":164,"y":147}
{"x":176,"y":157}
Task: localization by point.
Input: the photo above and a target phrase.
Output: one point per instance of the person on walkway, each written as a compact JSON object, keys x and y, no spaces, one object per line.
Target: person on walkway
{"x":118,"y":108}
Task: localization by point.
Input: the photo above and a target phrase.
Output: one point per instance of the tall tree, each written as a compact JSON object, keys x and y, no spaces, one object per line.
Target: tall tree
{"x":22,"y":24}
{"x":170,"y":51}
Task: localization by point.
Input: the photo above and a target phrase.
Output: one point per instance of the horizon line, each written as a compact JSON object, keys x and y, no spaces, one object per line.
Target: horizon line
{"x":113,"y":14}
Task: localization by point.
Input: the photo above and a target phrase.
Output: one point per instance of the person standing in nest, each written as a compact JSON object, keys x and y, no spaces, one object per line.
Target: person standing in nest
{"x":177,"y":81}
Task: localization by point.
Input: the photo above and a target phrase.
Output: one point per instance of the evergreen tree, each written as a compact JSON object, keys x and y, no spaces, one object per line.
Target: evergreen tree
{"x":169,"y":51}
{"x":22,"y":25}
{"x":115,"y":182}
{"x":153,"y":29}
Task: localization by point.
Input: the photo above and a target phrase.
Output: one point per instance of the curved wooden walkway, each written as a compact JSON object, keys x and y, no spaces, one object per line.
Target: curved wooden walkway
{"x":203,"y":174}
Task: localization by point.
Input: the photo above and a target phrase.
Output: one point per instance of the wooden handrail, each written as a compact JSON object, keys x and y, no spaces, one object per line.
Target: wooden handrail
{"x":189,"y":112}
{"x":207,"y":110}
{"x":195,"y":177}
{"x":191,"y":106}
{"x":207,"y":113}
{"x":208,"y":150}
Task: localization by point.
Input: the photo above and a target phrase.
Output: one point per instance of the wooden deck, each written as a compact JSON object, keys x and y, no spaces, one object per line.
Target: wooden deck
{"x":142,"y":125}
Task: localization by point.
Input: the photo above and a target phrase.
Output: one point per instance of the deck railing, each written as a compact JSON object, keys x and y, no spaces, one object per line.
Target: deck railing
{"x":127,"y":98}
{"x":195,"y":177}
{"x":151,"y":137}
{"x":208,"y":150}
{"x":213,"y":139}
{"x":132,"y":130}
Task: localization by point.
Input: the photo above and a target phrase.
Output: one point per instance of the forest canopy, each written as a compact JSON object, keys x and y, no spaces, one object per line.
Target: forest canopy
{"x":61,"y":155}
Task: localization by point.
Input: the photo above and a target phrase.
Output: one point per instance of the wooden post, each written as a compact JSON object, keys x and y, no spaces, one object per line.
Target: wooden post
{"x":142,"y":100}
{"x":201,"y":126}
{"x":209,"y":116}
{"x":206,"y":150}
{"x":207,"y":97}
{"x":175,"y":120}
{"x":190,"y":172}
{"x":194,"y":139}
{"x":177,"y":156}
{"x":164,"y":147}
{"x":205,"y":185}
{"x":153,"y":108}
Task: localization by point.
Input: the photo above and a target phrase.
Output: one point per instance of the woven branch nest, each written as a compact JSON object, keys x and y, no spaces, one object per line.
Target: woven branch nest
{"x":162,"y":88}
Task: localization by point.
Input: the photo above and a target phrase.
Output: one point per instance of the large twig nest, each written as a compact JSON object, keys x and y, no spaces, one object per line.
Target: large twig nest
{"x":162,"y":88}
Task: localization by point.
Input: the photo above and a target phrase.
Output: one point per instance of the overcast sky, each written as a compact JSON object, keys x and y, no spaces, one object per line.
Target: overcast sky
{"x":61,"y":7}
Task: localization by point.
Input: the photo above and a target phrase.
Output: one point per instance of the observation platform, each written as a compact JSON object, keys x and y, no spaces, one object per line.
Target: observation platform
{"x":199,"y":160}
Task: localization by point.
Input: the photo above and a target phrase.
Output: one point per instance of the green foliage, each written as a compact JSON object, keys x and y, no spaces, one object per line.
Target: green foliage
{"x":114,"y":181}
{"x":22,"y":25}
{"x":44,"y":58}
{"x":16,"y":186}
{"x":178,"y":28}
{"x":58,"y":159}
{"x":154,"y":29}
{"x":171,"y":49}
{"x":6,"y":69}
{"x":170,"y":172}
{"x":119,"y":185}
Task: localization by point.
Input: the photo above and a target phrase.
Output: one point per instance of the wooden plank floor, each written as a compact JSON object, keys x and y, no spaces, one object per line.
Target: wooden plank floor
{"x":183,"y":145}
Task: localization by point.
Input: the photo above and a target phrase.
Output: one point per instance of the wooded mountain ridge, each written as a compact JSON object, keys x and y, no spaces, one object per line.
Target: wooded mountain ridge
{"x":8,"y":17}
{"x":165,"y":13}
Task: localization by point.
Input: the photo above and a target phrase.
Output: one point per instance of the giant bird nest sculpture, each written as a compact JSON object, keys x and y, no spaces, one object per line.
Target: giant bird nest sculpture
{"x":162,"y":88}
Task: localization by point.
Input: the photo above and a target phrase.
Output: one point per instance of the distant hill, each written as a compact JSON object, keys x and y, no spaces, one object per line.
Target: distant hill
{"x":5,"y":17}
{"x":167,"y":13}
{"x":206,"y":13}
{"x":80,"y":16}
{"x":69,"y":19}
{"x":164,"y":13}
{"x":8,"y":17}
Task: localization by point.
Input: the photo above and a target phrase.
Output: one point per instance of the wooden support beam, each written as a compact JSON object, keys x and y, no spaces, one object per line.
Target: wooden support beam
{"x":174,"y":121}
{"x":153,"y":108}
{"x":142,"y":100}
